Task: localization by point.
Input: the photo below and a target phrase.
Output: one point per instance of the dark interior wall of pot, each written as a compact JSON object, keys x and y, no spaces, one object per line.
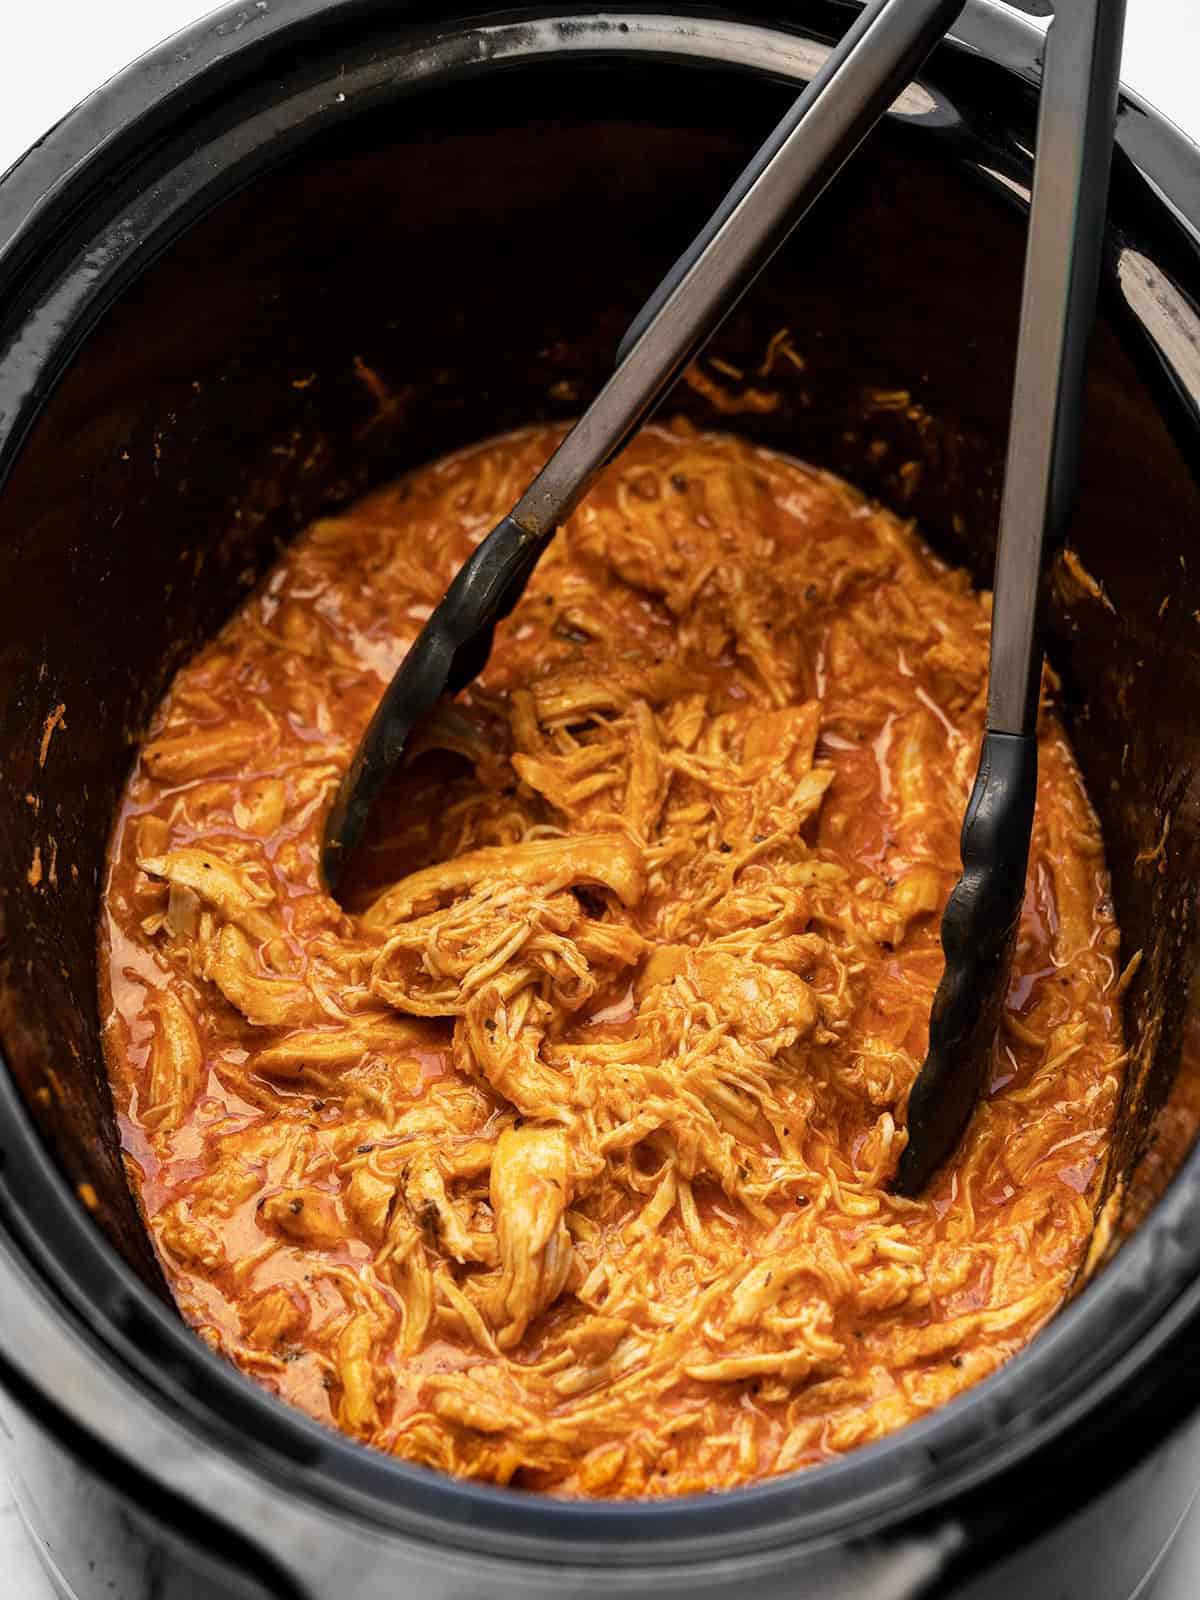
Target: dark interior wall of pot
{"x":460,"y":269}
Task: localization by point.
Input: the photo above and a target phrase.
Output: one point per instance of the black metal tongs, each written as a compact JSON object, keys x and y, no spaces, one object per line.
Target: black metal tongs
{"x":861,"y":77}
{"x":1076,"y":114}
{"x":873,"y":62}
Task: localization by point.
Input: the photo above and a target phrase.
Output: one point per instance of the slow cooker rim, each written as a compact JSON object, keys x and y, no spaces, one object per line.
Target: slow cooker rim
{"x":41,"y":184}
{"x":137,"y":88}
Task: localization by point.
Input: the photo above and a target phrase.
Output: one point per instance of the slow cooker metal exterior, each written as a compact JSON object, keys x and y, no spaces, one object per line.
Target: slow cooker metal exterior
{"x":195,"y":268}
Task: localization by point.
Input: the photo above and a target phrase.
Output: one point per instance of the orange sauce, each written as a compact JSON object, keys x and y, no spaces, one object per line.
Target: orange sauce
{"x":571,"y":1169}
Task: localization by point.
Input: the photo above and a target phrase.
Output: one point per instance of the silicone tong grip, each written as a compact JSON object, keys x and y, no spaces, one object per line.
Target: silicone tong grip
{"x":449,"y":653}
{"x":979,"y":929}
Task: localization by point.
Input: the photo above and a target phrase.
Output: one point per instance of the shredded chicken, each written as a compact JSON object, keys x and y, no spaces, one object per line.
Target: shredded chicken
{"x":562,"y":1157}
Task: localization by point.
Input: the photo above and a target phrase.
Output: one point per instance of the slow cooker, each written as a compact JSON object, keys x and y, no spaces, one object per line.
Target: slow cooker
{"x":309,"y":243}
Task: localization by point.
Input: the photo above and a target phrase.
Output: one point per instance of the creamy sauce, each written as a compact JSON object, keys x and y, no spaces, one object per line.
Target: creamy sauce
{"x":562,"y":1158}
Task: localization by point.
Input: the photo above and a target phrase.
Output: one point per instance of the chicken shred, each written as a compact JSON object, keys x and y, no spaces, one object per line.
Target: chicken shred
{"x":561,"y":1157}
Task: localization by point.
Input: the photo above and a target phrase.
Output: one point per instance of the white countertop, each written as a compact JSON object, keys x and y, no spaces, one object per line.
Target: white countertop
{"x":55,"y":54}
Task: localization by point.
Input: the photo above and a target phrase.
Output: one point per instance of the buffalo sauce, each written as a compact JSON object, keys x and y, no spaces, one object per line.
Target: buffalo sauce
{"x":560,"y":1157}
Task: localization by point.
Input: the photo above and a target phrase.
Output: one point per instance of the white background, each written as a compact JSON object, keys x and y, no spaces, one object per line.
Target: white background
{"x":52,"y":54}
